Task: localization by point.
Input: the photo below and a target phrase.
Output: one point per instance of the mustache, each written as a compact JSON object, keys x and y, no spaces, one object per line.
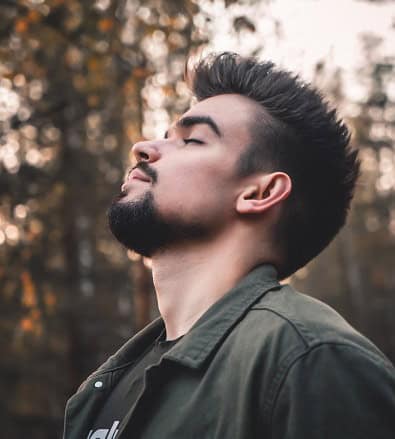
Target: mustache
{"x":144,"y":167}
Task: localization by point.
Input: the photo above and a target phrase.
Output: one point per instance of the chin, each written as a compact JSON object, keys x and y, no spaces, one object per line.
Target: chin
{"x":138,"y":226}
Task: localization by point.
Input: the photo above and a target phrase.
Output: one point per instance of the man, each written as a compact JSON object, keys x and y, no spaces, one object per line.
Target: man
{"x":250,"y":184}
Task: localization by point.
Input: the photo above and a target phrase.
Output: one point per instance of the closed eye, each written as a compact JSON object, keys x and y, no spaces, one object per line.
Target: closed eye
{"x":190,"y":140}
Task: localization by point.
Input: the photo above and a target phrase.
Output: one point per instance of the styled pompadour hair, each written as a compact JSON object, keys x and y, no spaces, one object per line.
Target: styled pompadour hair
{"x":296,"y":133}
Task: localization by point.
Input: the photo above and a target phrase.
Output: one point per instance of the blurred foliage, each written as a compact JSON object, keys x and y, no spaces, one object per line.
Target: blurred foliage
{"x":78,"y":79}
{"x":355,"y":273}
{"x":80,"y":82}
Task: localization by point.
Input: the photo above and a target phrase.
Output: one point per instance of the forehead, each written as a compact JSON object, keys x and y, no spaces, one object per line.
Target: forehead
{"x":234,"y":114}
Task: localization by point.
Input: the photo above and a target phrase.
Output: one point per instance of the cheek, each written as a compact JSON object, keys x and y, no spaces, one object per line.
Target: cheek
{"x":194,"y":192}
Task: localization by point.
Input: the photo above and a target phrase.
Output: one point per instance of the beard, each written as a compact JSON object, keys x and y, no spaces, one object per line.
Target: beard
{"x":139,"y":227}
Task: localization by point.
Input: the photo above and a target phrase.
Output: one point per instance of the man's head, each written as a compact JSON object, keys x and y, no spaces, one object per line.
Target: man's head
{"x":268,"y":153}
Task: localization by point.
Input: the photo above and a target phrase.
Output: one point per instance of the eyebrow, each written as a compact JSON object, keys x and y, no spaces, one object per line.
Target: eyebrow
{"x":189,"y":121}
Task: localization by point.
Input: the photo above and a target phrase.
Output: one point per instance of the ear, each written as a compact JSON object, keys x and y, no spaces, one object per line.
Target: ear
{"x":265,"y":192}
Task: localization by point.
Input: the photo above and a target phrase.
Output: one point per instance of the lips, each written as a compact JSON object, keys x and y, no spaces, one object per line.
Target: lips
{"x":138,"y":174}
{"x":135,"y":174}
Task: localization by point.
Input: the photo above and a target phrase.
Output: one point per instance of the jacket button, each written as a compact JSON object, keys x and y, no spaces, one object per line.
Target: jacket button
{"x":98,"y":384}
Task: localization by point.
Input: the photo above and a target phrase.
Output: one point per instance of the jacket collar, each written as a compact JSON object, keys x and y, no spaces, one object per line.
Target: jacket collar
{"x":208,"y":332}
{"x":217,"y":322}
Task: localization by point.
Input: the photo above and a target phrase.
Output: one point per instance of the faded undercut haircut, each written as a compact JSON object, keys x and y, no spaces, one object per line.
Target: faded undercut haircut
{"x":296,"y":133}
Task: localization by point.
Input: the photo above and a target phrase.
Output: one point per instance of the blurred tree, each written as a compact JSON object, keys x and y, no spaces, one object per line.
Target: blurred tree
{"x":360,"y":282}
{"x":79,"y":81}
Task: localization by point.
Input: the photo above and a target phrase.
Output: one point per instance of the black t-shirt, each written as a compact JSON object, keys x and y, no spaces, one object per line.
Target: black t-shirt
{"x":127,"y":390}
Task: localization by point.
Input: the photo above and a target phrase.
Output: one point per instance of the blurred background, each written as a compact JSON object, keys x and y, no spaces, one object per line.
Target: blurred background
{"x":80,"y":82}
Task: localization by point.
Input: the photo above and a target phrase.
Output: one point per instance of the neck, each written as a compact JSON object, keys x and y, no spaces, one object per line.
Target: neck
{"x":191,"y":278}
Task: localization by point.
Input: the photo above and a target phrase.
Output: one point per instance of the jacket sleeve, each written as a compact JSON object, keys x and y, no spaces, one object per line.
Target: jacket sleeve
{"x":336,"y":391}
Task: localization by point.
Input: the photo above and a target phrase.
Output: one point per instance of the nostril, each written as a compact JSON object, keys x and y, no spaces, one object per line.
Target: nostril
{"x":144,"y":156}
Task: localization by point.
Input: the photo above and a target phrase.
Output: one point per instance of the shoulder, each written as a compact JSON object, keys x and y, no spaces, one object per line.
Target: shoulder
{"x":342,"y":389}
{"x":290,"y":319}
{"x":286,"y":328}
{"x":302,"y":346}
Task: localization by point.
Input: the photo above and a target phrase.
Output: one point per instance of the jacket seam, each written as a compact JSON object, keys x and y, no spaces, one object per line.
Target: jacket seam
{"x":307,"y":336}
{"x":277,"y":381}
{"x":293,"y":323}
{"x":120,"y":366}
{"x":111,"y":369}
{"x":282,"y":374}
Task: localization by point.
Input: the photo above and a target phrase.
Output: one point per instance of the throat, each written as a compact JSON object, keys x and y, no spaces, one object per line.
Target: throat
{"x":188,"y":283}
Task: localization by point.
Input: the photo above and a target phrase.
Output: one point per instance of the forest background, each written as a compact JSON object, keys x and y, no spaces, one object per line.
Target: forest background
{"x":80,"y":82}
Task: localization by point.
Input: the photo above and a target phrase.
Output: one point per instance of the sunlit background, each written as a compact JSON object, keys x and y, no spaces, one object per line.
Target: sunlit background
{"x":80,"y":82}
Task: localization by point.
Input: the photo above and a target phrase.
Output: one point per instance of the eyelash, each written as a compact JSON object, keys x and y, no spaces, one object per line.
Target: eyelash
{"x":190,"y":140}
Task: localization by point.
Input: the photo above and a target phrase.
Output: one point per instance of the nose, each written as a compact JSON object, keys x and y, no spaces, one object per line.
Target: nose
{"x":146,"y":151}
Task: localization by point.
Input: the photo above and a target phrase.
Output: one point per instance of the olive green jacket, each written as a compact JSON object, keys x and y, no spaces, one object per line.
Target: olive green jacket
{"x":263,"y":362}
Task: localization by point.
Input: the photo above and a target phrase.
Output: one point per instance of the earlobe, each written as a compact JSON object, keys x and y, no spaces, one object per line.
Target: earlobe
{"x":268,"y":191}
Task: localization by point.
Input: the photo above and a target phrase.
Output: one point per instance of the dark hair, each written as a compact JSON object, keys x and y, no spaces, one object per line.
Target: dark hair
{"x":296,"y":133}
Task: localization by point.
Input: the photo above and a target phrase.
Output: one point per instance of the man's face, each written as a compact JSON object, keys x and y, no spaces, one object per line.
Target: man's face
{"x":191,"y":179}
